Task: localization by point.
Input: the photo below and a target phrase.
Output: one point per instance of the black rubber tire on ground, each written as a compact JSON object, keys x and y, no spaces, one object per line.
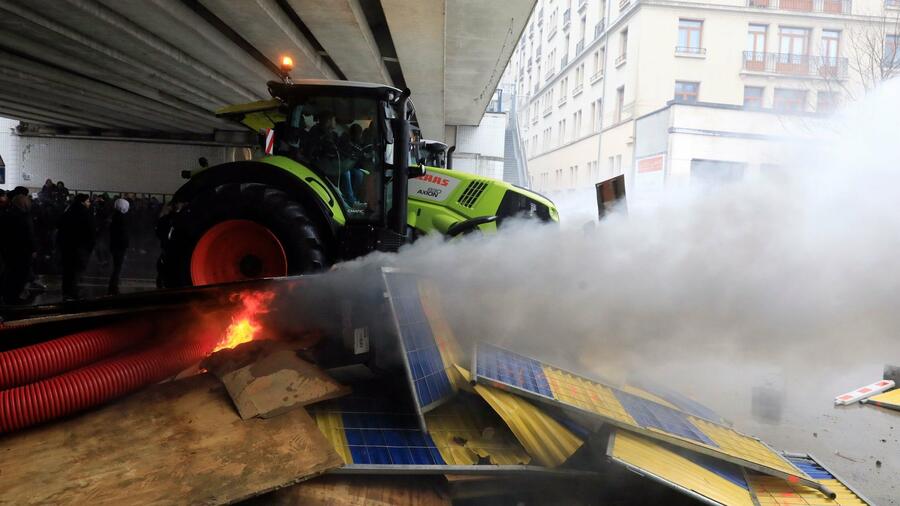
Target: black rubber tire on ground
{"x":266,"y":205}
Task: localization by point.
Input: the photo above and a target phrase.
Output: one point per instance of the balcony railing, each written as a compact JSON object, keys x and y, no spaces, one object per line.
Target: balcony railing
{"x":563,"y":62}
{"x":623,"y":4}
{"x":796,"y":64}
{"x":579,"y":47}
{"x":597,"y":76}
{"x":620,"y":59}
{"x":567,"y":18}
{"x":552,"y":30}
{"x":826,"y":6}
{"x":598,"y":28}
{"x":582,"y":5}
{"x":548,"y":109}
{"x":690,"y":50}
{"x":550,"y":71}
{"x":562,"y":99}
{"x":577,"y":89}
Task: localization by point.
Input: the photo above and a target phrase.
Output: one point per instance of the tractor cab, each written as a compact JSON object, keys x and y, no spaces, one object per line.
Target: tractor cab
{"x":434,"y":153}
{"x":344,"y":131}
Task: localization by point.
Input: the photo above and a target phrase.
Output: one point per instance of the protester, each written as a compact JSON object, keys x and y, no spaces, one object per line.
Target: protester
{"x":75,"y":240}
{"x":48,"y":191}
{"x":118,"y":242}
{"x":62,"y":193}
{"x":17,"y":248}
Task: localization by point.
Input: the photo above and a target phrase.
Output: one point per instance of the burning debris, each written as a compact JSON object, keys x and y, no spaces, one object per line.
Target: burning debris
{"x":411,"y":399}
{"x":245,"y":325}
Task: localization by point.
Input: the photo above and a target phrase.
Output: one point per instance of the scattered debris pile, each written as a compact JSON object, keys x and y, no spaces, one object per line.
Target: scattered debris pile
{"x":371,"y":389}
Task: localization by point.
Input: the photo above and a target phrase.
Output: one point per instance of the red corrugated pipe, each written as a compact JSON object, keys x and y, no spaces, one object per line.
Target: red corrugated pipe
{"x":32,"y":363}
{"x":95,"y":384}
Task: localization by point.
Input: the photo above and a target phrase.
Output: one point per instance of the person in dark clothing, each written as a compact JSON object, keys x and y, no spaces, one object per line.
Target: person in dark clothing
{"x":48,"y":191}
{"x":62,"y":193}
{"x":76,"y":241}
{"x":118,"y":242}
{"x":17,"y":248}
{"x":18,"y":190}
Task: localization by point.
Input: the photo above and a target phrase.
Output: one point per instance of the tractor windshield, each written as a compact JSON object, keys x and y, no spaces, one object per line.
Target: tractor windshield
{"x":340,"y":138}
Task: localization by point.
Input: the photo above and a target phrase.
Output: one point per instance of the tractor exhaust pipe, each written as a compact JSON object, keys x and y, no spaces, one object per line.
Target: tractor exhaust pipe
{"x":401,"y":165}
{"x":450,"y":156}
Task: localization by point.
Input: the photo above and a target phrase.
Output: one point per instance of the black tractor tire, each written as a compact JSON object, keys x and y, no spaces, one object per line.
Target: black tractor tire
{"x":263,"y":204}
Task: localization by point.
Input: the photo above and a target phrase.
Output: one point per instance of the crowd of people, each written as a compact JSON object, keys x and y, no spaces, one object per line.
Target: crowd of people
{"x":57,"y":231}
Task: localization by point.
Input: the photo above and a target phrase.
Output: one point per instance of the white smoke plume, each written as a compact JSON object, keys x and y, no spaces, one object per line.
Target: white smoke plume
{"x":792,"y":279}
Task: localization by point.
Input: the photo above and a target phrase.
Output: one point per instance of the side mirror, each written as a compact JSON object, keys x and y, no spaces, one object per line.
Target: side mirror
{"x":416,"y":171}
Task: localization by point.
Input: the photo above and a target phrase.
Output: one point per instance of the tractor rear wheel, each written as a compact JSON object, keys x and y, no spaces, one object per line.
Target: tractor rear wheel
{"x":235,"y":232}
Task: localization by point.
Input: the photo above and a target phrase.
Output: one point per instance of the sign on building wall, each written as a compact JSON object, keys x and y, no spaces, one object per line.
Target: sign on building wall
{"x":650,"y":173}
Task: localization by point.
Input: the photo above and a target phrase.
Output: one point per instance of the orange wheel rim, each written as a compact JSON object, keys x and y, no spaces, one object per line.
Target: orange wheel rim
{"x":235,"y":250}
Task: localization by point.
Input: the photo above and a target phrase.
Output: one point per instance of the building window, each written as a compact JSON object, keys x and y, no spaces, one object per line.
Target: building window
{"x":623,"y":46}
{"x":831,"y":45}
{"x":793,"y":50}
{"x":755,"y":58}
{"x":711,"y":173}
{"x":596,"y":115}
{"x":620,"y":103}
{"x":793,"y":41}
{"x":827,"y":101}
{"x":753,"y":96}
{"x":690,"y":35}
{"x":830,"y":51}
{"x":562,"y":132}
{"x":686,"y":92}
{"x":891,"y":51}
{"x":576,"y":124}
{"x":789,"y":100}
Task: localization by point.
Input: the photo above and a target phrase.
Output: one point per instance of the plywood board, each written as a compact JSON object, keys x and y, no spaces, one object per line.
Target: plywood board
{"x":342,"y":490}
{"x":175,"y":443}
{"x":266,"y":378}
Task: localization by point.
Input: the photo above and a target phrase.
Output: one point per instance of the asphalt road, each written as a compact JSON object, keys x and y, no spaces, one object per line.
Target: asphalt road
{"x":859,"y":443}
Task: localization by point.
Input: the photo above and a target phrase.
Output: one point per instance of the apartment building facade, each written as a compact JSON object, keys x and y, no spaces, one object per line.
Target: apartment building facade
{"x":670,"y":91}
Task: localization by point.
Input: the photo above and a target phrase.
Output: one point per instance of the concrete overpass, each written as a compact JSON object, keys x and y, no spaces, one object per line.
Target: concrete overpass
{"x":158,"y":68}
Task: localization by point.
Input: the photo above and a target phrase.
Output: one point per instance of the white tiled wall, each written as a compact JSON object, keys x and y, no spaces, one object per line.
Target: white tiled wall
{"x":8,"y":149}
{"x":101,"y":165}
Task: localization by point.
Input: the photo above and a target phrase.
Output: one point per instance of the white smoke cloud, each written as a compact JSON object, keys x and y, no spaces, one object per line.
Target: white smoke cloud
{"x":792,"y":279}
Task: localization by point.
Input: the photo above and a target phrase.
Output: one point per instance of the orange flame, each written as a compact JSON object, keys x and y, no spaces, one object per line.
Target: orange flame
{"x":244,"y":327}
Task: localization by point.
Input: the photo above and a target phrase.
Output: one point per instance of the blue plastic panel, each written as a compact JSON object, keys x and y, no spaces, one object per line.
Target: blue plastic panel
{"x":811,"y":467}
{"x":512,"y":369}
{"x":682,"y":402}
{"x":426,"y":367}
{"x":651,"y":414}
{"x":378,"y":433}
{"x":727,"y":470}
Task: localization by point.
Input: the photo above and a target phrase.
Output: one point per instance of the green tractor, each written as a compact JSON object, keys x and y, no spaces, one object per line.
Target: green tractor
{"x":342,"y":175}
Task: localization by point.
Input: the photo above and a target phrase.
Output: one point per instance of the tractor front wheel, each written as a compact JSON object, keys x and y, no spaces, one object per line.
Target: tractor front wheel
{"x":235,"y":232}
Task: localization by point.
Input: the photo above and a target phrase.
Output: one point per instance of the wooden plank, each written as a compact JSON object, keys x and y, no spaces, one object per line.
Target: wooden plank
{"x":343,"y":490}
{"x":267,"y":378}
{"x":174,"y":443}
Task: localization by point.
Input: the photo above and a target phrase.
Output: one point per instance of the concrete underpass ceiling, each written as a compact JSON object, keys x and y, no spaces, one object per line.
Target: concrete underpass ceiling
{"x":163,"y":66}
